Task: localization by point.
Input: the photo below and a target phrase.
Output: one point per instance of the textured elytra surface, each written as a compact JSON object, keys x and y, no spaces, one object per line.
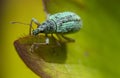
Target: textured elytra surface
{"x":66,"y":22}
{"x":42,"y":55}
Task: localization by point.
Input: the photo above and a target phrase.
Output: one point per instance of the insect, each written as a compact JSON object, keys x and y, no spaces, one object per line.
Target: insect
{"x":59,"y":24}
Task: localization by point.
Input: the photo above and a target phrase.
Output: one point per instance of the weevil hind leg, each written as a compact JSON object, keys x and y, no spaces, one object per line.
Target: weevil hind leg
{"x":59,"y":37}
{"x":67,"y":38}
{"x":58,"y":43}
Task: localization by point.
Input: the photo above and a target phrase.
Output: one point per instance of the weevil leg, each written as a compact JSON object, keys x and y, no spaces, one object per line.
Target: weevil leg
{"x":59,"y":37}
{"x":47,"y":39}
{"x":68,"y":39}
{"x":35,"y":45}
{"x":58,"y":43}
{"x":36,"y":22}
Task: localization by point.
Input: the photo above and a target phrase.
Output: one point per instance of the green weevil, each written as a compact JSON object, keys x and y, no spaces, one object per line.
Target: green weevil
{"x":59,"y":23}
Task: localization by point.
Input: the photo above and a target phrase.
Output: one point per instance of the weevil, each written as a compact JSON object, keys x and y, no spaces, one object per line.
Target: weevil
{"x":59,"y":24}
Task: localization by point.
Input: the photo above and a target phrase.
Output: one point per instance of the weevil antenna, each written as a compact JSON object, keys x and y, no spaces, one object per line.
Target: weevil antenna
{"x":13,"y":22}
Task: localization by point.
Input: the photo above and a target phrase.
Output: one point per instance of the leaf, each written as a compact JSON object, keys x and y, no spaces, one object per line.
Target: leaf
{"x":54,"y":6}
{"x":41,"y":58}
{"x":95,"y":52}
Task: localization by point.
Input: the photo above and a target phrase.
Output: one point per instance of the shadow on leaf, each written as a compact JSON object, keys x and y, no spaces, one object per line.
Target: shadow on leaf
{"x":42,"y":54}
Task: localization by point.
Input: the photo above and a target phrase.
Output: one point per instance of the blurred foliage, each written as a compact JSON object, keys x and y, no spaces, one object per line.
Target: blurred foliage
{"x":95,"y":54}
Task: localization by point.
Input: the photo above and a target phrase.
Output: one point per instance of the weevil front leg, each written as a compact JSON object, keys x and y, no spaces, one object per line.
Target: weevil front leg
{"x":35,"y":45}
{"x":47,"y":39}
{"x":61,"y":37}
{"x":36,"y":22}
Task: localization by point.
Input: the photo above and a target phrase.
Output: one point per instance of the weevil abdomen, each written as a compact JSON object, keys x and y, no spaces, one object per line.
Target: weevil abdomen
{"x":66,"y":22}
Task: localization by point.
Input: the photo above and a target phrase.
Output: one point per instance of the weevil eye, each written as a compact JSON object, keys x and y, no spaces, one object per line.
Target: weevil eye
{"x":35,"y":32}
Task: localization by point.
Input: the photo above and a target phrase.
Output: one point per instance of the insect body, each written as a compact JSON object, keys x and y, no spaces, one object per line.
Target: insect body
{"x":59,"y":23}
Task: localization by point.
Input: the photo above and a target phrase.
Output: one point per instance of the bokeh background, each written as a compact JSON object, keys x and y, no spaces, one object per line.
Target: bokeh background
{"x":11,"y":66}
{"x":97,"y":45}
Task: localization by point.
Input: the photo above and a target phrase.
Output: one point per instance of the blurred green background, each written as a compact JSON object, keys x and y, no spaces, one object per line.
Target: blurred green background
{"x":97,"y":44}
{"x":11,"y":66}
